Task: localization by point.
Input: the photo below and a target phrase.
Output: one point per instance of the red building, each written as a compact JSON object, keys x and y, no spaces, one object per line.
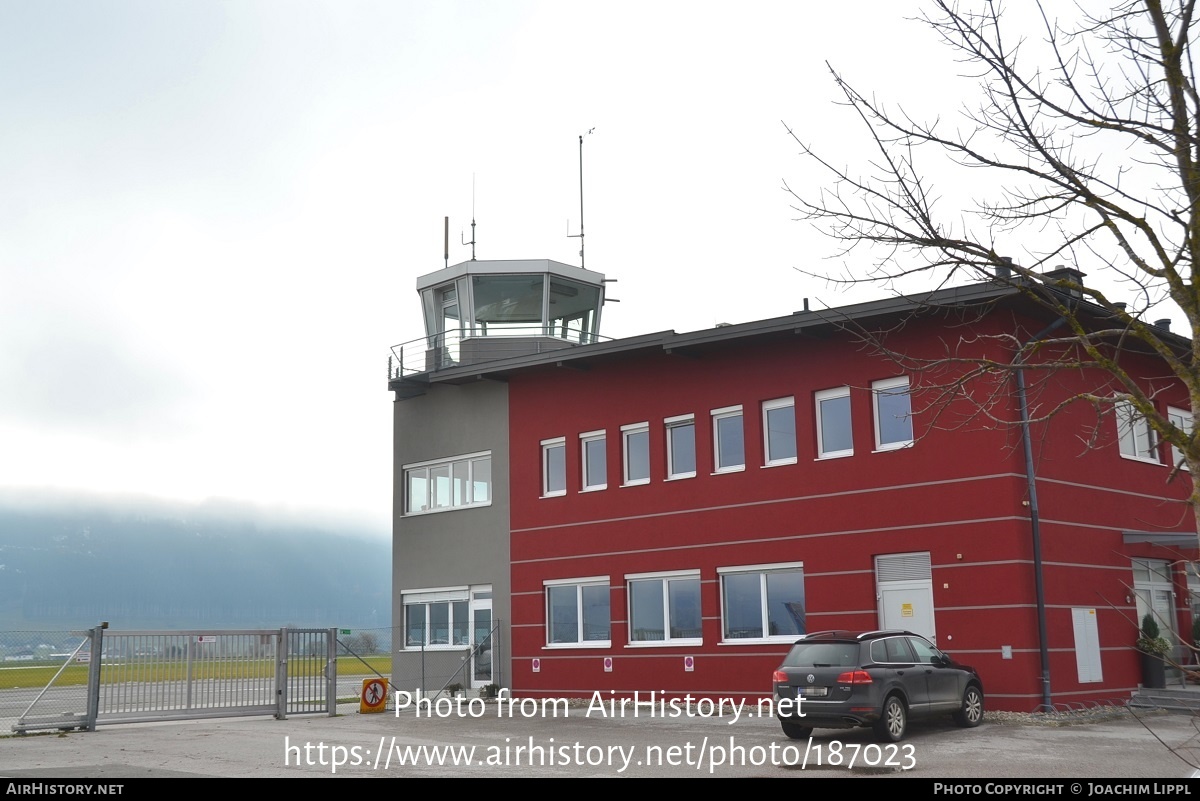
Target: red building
{"x":681,"y":507}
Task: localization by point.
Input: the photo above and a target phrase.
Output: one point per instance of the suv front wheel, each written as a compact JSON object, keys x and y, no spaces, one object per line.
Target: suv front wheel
{"x":894,"y":722}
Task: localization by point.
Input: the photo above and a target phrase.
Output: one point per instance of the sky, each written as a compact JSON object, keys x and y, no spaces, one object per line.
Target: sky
{"x":213,"y":214}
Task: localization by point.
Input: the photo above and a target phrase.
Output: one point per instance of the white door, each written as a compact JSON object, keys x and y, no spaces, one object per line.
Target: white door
{"x":1155,"y":595}
{"x":1087,"y":645}
{"x":481,"y":636}
{"x":904,"y":590}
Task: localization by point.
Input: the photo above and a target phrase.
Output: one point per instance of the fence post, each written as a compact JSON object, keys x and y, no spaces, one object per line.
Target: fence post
{"x":93,"y":692}
{"x":331,"y":684}
{"x":281,"y":669}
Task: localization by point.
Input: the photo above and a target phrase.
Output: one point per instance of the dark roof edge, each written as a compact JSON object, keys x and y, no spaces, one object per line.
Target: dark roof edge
{"x":947,"y":298}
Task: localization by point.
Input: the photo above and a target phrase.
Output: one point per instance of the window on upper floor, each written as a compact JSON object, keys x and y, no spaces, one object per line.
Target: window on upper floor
{"x":635,"y":447}
{"x":1136,"y":437}
{"x":446,"y":484}
{"x":595,"y":460}
{"x":729,"y":442}
{"x":893,"y":413}
{"x":1182,"y":419}
{"x":665,"y":608}
{"x":577,"y":612}
{"x":437,"y":618}
{"x":834,"y":437}
{"x":763,"y":602}
{"x":681,"y":446}
{"x":779,"y":431}
{"x":554,"y":466}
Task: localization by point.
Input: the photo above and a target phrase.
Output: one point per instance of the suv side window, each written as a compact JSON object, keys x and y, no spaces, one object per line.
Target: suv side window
{"x":891,"y":651}
{"x":898,"y":650}
{"x":926,"y":653}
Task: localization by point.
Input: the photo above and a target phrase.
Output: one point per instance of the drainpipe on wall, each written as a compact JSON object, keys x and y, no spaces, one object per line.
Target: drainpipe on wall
{"x":1035,"y":525}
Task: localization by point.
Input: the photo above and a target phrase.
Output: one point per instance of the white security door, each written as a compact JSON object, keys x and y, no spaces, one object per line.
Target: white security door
{"x":904,"y":590}
{"x":1087,"y":645}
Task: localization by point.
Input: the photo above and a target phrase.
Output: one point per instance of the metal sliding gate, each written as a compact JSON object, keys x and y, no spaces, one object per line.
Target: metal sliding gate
{"x":140,"y":676}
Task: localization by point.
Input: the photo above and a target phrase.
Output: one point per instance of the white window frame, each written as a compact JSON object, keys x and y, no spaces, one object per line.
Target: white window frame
{"x":727,"y":413}
{"x":832,"y":394}
{"x":578,"y":584}
{"x":885,"y":386}
{"x":1181,"y":418}
{"x":673,"y":424}
{"x":549,"y":445}
{"x":1131,"y":446}
{"x":762,"y":571}
{"x":586,"y":439}
{"x":467,"y":462}
{"x":665,"y":578}
{"x":626,"y":432}
{"x":428,"y":597}
{"x":772,"y":406}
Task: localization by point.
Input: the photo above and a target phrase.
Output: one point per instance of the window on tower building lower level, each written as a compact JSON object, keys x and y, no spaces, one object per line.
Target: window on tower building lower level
{"x":437,"y":618}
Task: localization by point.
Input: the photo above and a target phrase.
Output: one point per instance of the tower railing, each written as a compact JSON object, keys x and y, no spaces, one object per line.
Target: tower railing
{"x":460,"y":346}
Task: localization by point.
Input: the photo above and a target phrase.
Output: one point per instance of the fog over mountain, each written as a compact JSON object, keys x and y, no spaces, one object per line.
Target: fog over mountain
{"x":73,"y":560}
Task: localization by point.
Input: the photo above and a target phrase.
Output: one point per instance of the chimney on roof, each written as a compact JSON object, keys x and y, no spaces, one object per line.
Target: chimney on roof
{"x":1004,"y":268}
{"x":1119,"y":305}
{"x":1065,"y":274}
{"x":1163,"y":324}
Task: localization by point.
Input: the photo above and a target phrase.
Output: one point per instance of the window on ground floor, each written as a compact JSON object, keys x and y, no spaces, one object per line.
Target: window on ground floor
{"x":763,"y":602}
{"x":434,"y":618}
{"x":665,"y":608}
{"x":577,"y":612}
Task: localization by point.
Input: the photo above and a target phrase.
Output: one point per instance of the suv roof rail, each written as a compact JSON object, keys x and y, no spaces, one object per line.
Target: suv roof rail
{"x":882,"y":632}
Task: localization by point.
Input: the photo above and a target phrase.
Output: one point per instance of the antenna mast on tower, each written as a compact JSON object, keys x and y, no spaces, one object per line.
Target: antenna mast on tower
{"x":472,"y":242}
{"x":579,"y":235}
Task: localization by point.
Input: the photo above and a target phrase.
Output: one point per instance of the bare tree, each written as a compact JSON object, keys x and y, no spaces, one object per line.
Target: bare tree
{"x":1083,"y":143}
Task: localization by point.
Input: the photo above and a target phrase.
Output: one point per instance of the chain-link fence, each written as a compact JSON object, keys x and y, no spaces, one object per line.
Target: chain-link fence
{"x":362,"y":654}
{"x":472,"y":667}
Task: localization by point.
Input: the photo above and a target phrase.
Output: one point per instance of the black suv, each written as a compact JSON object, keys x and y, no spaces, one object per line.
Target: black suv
{"x":844,"y":679}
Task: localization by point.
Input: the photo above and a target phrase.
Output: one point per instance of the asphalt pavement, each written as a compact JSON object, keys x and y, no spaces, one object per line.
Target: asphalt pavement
{"x":581,"y":741}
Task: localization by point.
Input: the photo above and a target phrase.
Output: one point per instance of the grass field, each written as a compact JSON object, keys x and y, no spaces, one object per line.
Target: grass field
{"x":39,"y":674}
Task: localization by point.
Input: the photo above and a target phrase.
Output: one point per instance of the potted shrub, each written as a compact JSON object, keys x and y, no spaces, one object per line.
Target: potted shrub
{"x":489,"y":690}
{"x":1153,"y":648}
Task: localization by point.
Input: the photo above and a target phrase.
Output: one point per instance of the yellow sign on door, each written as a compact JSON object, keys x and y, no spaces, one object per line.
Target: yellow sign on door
{"x":906,"y":610}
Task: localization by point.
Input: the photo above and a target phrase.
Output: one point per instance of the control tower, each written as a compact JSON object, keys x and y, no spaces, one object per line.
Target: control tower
{"x":479,"y":311}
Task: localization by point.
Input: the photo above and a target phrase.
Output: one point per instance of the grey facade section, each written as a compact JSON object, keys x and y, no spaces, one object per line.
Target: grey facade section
{"x":466,"y":547}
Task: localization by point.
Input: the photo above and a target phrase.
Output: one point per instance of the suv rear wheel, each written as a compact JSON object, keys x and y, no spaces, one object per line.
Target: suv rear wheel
{"x":971,"y":713}
{"x":894,"y":722}
{"x":795,"y":731}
